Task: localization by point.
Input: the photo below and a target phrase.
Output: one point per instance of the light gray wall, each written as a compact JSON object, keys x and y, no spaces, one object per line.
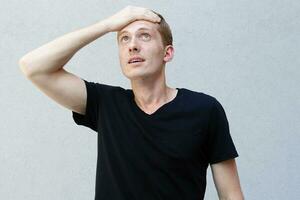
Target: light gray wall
{"x":245,"y":53}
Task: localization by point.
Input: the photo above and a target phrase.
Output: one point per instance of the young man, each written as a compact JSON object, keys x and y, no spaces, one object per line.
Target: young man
{"x":154,"y":142}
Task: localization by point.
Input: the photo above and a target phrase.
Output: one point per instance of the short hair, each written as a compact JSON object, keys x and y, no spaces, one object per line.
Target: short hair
{"x":165,"y":31}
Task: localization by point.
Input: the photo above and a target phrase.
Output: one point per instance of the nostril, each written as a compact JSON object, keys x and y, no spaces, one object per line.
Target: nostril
{"x":134,"y":49}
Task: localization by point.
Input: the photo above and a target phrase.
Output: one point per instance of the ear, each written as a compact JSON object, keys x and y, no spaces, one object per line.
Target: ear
{"x":169,"y":53}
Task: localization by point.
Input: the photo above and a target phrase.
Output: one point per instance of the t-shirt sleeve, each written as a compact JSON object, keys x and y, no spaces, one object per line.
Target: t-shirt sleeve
{"x":220,"y":143}
{"x":90,"y":118}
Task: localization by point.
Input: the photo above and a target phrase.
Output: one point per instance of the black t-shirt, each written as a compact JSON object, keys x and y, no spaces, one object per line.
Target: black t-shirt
{"x":158,"y":156}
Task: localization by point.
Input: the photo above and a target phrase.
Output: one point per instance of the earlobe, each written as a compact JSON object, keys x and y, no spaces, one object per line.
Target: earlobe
{"x":168,"y":57}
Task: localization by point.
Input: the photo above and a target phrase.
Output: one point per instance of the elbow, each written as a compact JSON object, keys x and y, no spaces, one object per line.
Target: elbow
{"x":23,"y":67}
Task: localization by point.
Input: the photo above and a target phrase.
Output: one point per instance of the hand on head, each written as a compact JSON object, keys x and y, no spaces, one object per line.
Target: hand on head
{"x":130,"y":14}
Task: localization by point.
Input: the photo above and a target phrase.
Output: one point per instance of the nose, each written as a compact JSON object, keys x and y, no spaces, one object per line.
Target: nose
{"x":133,"y":46}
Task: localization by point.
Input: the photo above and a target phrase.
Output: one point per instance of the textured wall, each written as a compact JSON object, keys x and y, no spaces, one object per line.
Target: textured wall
{"x":242,"y":52}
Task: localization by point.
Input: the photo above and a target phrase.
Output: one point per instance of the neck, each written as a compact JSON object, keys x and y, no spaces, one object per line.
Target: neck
{"x":152,"y":92}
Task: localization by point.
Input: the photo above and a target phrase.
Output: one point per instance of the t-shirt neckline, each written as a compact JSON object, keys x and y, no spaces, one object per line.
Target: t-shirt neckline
{"x":159,"y":110}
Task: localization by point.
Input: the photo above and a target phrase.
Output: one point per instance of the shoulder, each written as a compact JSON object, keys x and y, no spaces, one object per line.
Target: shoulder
{"x":104,"y":90}
{"x":199,"y":98}
{"x":103,"y":87}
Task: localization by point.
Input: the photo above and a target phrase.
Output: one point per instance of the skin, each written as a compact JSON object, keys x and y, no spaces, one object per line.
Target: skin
{"x":147,"y":78}
{"x":226,"y":180}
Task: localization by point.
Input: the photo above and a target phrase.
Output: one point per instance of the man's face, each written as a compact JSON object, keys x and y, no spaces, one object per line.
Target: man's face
{"x":141,"y":39}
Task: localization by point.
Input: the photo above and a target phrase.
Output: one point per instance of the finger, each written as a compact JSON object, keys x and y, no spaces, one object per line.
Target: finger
{"x":157,"y":18}
{"x":153,"y":17}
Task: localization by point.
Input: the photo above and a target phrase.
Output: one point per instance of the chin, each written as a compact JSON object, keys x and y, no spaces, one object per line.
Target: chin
{"x":135,"y":75}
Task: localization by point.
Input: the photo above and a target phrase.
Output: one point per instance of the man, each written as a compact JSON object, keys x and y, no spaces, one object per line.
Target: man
{"x":154,"y":142}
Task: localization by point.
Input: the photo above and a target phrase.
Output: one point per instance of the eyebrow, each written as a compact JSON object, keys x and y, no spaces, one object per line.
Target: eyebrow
{"x":143,"y":28}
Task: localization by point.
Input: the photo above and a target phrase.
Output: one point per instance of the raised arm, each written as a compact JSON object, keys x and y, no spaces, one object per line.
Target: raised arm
{"x":44,"y":66}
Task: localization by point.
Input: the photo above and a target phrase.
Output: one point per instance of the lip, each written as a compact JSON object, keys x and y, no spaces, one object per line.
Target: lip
{"x":136,"y":57}
{"x":136,"y":63}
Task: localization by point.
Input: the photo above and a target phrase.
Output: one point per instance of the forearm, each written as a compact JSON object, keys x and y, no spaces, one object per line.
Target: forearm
{"x":53,"y":55}
{"x":235,"y":196}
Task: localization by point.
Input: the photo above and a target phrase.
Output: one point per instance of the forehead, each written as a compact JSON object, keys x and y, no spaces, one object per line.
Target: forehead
{"x":137,"y":25}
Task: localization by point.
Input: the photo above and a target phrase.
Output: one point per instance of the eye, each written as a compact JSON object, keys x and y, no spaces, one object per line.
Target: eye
{"x":146,"y":36}
{"x":124,"y":38}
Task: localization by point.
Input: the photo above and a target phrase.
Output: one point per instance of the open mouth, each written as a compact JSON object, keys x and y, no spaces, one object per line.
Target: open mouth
{"x":136,"y":60}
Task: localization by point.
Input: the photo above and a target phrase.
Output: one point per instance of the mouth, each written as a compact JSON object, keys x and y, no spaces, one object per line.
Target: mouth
{"x":136,"y":60}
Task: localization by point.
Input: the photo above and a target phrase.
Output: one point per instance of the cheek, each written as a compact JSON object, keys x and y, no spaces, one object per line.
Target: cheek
{"x":154,"y":53}
{"x":157,"y":57}
{"x":122,"y":56}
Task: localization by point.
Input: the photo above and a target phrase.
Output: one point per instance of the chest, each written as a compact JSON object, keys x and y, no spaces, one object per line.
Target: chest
{"x":176,"y":138}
